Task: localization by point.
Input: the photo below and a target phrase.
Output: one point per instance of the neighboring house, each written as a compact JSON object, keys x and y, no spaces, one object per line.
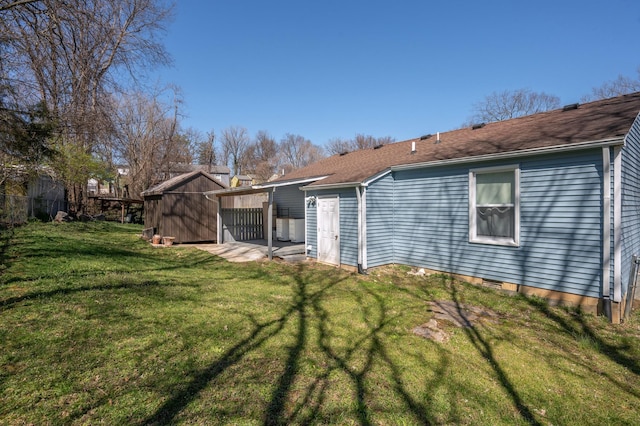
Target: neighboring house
{"x":113,"y":187}
{"x":178,"y":208}
{"x":547,"y":204}
{"x":26,"y":195}
{"x":46,"y":197}
{"x":242,"y":180}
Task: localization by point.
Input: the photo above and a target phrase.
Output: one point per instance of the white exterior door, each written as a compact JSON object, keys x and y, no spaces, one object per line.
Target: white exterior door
{"x":329,"y":230}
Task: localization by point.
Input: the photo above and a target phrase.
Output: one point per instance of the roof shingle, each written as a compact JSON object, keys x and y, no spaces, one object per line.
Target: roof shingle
{"x":594,"y":121}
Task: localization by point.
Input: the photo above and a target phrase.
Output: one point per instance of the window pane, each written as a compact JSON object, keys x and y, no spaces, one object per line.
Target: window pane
{"x":495,"y":221}
{"x":494,"y":188}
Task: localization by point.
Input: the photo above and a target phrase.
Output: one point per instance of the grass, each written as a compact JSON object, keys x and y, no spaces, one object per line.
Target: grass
{"x":97,"y":326}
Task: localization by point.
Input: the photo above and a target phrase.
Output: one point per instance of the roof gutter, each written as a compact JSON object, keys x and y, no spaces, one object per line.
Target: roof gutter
{"x":331,"y":186}
{"x":291,"y":182}
{"x":242,"y":190}
{"x":260,"y":188}
{"x":514,"y":154}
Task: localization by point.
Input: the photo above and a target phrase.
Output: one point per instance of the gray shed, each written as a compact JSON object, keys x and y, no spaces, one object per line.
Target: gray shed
{"x":178,"y":208}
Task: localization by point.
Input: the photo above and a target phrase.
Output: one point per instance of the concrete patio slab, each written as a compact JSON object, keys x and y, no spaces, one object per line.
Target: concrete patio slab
{"x":250,"y":251}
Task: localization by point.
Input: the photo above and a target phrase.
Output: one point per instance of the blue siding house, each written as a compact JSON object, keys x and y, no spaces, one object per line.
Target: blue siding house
{"x":547,"y":204}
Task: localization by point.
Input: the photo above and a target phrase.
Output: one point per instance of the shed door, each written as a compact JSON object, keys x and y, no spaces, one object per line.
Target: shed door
{"x":329,"y":230}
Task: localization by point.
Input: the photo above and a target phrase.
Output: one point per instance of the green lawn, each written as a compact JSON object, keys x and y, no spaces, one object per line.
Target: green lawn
{"x":97,"y":326}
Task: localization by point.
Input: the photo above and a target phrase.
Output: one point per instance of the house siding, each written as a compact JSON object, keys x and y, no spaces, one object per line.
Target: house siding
{"x":561,"y":217}
{"x":630,"y":226}
{"x":348,"y":227}
{"x":431,"y":218}
{"x":420,"y":218}
{"x":380,"y":222}
{"x":560,"y":225}
{"x":289,"y":201}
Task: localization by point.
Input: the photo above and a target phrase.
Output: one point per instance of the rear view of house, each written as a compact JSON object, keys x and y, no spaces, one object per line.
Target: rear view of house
{"x":547,"y":204}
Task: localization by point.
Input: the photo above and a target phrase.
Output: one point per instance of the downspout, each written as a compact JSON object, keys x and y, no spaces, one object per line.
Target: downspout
{"x":606,"y":231}
{"x":365,"y":262}
{"x":306,"y":231}
{"x":361,"y":231}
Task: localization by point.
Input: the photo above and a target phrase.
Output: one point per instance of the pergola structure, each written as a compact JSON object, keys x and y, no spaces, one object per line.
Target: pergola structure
{"x":269,"y":188}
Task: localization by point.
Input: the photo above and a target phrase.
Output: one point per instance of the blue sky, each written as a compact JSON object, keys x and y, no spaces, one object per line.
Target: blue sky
{"x":334,"y":68}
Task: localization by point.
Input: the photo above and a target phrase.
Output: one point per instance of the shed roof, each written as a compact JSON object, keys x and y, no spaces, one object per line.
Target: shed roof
{"x":175,"y":182}
{"x":594,"y":121}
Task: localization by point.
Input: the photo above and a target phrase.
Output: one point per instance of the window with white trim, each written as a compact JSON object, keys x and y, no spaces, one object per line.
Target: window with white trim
{"x":494,"y":205}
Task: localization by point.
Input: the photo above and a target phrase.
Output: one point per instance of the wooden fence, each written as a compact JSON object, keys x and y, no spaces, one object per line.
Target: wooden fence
{"x":17,"y":209}
{"x":14,"y":209}
{"x":243,"y":224}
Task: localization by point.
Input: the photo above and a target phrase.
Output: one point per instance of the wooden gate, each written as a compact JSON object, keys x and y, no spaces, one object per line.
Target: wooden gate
{"x":242,"y":224}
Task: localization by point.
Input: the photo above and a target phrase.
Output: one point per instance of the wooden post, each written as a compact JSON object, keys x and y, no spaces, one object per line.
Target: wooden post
{"x":219,"y":237}
{"x":270,"y":225}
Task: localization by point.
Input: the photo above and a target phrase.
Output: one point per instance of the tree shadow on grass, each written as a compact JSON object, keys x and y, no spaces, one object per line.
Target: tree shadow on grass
{"x":577,"y":327}
{"x":475,"y":335}
{"x":356,"y":361}
{"x":484,"y":348}
{"x":116,"y":256}
{"x":308,"y":312}
{"x":369,"y":351}
{"x":12,"y":301}
{"x":260,"y":333}
{"x":276,"y":408}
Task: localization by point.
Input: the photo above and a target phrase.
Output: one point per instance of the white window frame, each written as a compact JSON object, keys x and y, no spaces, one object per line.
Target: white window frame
{"x":502,"y":241}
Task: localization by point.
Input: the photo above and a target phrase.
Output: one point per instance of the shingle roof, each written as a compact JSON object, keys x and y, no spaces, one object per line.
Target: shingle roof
{"x":175,"y":181}
{"x":594,"y":121}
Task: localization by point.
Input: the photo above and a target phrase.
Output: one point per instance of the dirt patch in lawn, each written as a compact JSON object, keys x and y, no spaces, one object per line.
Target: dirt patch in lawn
{"x":458,"y":314}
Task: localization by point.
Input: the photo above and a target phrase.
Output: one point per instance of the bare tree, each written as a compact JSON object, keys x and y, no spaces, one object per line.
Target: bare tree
{"x":206,"y":151}
{"x":147,"y":139}
{"x":24,"y":142}
{"x":261,"y":157}
{"x":361,"y":141}
{"x":620,"y":86}
{"x":234,"y":141}
{"x":338,"y":146}
{"x":297,"y":152}
{"x":68,"y":54}
{"x":510,"y":104}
